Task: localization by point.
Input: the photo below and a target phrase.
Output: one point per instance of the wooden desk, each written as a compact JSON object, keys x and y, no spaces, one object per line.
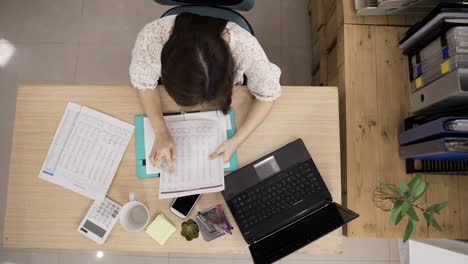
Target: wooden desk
{"x":372,"y":75}
{"x":42,"y":215}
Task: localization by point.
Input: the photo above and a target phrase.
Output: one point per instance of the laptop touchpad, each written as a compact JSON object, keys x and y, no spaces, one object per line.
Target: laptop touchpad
{"x":267,"y":167}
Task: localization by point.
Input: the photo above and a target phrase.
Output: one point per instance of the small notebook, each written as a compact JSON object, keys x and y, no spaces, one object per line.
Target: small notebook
{"x":160,"y":229}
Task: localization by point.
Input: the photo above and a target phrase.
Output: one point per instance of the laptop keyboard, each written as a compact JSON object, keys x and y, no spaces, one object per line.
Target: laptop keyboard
{"x":291,"y":186}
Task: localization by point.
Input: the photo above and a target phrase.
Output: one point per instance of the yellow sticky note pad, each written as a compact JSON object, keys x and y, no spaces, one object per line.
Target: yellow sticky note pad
{"x":445,"y":67}
{"x":418,"y":82}
{"x":160,"y":229}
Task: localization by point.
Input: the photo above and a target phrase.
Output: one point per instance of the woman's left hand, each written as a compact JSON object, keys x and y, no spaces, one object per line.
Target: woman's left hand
{"x":226,"y":149}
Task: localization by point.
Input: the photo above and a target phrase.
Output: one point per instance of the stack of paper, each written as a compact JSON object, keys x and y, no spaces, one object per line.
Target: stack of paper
{"x":195,"y":136}
{"x":86,"y":151}
{"x":160,"y":229}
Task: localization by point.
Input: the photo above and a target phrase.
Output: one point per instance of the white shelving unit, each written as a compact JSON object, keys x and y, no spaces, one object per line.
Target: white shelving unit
{"x":396,"y":7}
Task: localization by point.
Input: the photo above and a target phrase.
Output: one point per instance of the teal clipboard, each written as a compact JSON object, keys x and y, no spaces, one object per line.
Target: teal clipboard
{"x":140,"y":147}
{"x":233,"y":162}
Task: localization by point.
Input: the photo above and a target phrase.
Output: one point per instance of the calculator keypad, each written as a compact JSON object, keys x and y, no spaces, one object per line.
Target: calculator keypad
{"x":104,"y":214}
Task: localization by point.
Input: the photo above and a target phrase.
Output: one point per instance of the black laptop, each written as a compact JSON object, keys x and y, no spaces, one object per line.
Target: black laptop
{"x":281,"y":203}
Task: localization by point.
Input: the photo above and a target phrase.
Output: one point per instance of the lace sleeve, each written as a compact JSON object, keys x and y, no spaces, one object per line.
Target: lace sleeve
{"x":145,"y":67}
{"x":263,"y":77}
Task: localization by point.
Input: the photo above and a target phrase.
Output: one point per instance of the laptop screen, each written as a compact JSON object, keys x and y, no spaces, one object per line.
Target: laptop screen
{"x":301,"y":233}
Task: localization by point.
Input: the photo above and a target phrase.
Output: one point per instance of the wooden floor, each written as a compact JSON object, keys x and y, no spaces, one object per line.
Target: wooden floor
{"x":375,"y":100}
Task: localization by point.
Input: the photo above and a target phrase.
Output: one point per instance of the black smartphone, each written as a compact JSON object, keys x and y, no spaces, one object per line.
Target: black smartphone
{"x":182,"y":206}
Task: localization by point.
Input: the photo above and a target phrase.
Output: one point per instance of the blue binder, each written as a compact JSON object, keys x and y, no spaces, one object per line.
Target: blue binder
{"x":432,"y":130}
{"x":435,"y":149}
{"x":140,"y":147}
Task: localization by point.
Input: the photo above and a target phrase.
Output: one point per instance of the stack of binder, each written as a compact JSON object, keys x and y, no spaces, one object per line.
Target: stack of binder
{"x":440,"y":57}
{"x":440,"y":72}
{"x":441,"y":144}
{"x":437,"y":50}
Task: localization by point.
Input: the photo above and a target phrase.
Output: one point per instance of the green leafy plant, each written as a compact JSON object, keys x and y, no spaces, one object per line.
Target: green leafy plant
{"x":189,"y":230}
{"x":404,"y":201}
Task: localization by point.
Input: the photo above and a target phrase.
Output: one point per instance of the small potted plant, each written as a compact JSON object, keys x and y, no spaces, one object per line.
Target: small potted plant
{"x":402,"y":203}
{"x":189,"y":230}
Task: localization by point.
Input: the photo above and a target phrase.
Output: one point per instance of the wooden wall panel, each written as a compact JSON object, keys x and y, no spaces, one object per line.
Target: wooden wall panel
{"x":463,"y":194}
{"x":393,"y":104}
{"x":361,"y":127}
{"x":445,"y":188}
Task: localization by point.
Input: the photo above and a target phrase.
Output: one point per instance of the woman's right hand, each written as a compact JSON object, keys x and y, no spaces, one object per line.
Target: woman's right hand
{"x":163,"y":150}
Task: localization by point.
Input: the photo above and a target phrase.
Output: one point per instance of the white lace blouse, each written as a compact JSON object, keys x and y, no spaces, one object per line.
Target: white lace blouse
{"x":249,"y":59}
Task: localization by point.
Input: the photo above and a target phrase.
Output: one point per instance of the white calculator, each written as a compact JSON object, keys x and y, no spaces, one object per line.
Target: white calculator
{"x":99,"y":221}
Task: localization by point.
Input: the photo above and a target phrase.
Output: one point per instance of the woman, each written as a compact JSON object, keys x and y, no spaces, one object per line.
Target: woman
{"x":199,"y":59}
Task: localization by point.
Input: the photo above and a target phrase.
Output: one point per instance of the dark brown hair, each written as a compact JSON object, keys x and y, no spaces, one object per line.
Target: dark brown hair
{"x":197,"y":64}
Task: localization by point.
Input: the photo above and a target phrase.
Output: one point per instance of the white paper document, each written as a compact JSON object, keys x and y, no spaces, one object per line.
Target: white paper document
{"x":196,"y":136}
{"x":194,"y":172}
{"x":207,"y":115}
{"x":86,"y":151}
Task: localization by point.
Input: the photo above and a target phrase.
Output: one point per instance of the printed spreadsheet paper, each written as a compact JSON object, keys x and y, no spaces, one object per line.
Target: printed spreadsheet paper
{"x":86,"y":151}
{"x":196,"y":135}
{"x":206,"y":115}
{"x":194,"y":172}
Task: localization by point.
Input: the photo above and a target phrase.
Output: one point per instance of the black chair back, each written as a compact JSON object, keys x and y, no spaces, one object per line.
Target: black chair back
{"x":241,"y":5}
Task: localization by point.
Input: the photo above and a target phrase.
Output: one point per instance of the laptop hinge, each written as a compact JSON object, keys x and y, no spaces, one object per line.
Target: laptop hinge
{"x":292,"y":223}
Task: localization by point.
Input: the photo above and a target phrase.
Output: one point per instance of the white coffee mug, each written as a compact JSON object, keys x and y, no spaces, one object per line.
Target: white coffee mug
{"x":134,"y":216}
